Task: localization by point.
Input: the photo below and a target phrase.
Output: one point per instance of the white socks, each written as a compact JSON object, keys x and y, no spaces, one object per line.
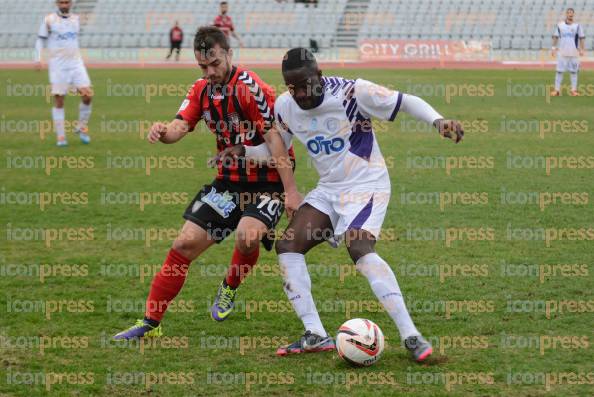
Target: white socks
{"x":385,"y":287}
{"x":297,"y":286}
{"x":58,"y":117}
{"x":573,"y":77}
{"x":558,"y":81}
{"x":84,"y":114}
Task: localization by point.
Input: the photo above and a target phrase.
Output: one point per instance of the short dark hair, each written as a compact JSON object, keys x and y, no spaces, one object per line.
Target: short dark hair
{"x":208,"y":36}
{"x":570,"y":9}
{"x":223,"y":3}
{"x":299,"y":57}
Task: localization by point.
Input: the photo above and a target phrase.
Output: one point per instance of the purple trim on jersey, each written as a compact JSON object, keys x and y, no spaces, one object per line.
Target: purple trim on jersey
{"x":280,"y":120}
{"x":335,"y":84}
{"x":351,"y":107}
{"x":361,"y":139}
{"x":362,"y":216}
{"x":397,"y":107}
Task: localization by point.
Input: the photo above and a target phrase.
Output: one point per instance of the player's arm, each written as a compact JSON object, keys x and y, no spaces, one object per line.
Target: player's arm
{"x":186,"y":119}
{"x":42,"y":36}
{"x":234,"y":34}
{"x":554,"y":47}
{"x":383,"y":103}
{"x":168,"y":133}
{"x":284,"y":166}
{"x":582,"y":40}
{"x":274,"y":149}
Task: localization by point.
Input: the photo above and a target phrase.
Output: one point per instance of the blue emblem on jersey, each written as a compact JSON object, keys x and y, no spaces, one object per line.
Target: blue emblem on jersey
{"x":66,"y":36}
{"x":326,"y":146}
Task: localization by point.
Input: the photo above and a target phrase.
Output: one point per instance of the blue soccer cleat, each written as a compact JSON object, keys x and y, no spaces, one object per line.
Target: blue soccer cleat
{"x":142,"y":329}
{"x":223,"y":304}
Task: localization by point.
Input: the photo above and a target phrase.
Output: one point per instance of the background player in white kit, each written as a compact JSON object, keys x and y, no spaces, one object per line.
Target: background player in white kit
{"x":331,"y":116}
{"x":59,"y":30}
{"x":571,"y":39}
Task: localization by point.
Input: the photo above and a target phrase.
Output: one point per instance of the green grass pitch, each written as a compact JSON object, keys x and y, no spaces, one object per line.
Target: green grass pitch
{"x":477,"y":234}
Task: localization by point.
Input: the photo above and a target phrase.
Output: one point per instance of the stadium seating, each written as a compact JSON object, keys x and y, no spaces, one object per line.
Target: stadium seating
{"x":508,"y":24}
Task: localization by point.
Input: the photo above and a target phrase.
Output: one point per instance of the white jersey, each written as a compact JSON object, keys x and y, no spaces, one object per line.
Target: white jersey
{"x":569,"y":36}
{"x":338,"y":135}
{"x":62,"y":40}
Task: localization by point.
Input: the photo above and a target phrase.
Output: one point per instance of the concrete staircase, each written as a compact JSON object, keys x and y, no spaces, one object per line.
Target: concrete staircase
{"x":84,"y":8}
{"x":353,"y":16}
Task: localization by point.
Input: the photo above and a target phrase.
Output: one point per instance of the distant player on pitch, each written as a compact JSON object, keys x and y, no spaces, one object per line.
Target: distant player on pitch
{"x":331,"y":116}
{"x":59,"y":30}
{"x":571,"y":39}
{"x":224,"y":22}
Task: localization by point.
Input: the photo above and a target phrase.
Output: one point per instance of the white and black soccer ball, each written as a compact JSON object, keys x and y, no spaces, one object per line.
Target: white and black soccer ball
{"x":360,"y":342}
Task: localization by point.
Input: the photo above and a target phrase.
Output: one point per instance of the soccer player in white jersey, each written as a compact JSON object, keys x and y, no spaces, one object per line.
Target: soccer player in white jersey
{"x":59,"y":31}
{"x":331,"y":116}
{"x":571,"y":39}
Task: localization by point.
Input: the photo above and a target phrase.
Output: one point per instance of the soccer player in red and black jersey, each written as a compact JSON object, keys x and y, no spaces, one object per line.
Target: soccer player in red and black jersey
{"x":237,"y":107}
{"x":223,"y":21}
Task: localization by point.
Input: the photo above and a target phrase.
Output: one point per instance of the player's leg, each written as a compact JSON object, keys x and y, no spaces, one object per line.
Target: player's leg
{"x":171,"y":48}
{"x":559,"y":76}
{"x":192,"y":241}
{"x":361,"y":247}
{"x":308,"y":228}
{"x":573,"y":75}
{"x":58,"y":116}
{"x":261,"y":213}
{"x":83,"y":84}
{"x":178,"y":52}
{"x":245,"y":255}
{"x":59,"y":82}
{"x":203,"y":228}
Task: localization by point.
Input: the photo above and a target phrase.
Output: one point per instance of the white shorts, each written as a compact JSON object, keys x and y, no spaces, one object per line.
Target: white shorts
{"x":568,"y":64}
{"x":360,"y":209}
{"x":62,"y":78}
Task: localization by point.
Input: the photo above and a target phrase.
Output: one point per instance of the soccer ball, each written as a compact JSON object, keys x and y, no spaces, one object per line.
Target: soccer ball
{"x":360,"y":342}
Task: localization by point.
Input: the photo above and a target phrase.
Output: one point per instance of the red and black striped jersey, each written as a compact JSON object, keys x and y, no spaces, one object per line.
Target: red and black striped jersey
{"x":240,"y":112}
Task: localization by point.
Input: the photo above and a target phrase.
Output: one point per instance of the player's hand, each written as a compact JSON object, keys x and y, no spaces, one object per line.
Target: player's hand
{"x":158,"y":130}
{"x":450,"y":129}
{"x":581,"y":52}
{"x":293,"y":200}
{"x":232,"y":152}
{"x":554,"y":52}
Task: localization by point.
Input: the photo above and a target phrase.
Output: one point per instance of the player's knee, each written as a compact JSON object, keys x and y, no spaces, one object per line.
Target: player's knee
{"x":246,"y":244}
{"x":284,"y":246}
{"x":59,"y":101}
{"x":358,"y":249}
{"x":187,"y":248}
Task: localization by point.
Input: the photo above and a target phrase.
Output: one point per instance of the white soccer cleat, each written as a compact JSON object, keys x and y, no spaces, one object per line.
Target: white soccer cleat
{"x":84,"y":137}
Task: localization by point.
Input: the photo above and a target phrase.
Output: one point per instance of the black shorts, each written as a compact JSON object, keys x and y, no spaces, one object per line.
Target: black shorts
{"x":176,"y":45}
{"x":218,"y":207}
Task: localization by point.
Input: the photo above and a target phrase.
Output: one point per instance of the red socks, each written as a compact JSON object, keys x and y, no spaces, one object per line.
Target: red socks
{"x":166,"y":284}
{"x":240,"y":266}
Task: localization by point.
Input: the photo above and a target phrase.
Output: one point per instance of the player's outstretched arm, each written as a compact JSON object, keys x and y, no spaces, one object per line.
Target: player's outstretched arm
{"x":168,"y":133}
{"x":421,"y":110}
{"x":383,"y":103}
